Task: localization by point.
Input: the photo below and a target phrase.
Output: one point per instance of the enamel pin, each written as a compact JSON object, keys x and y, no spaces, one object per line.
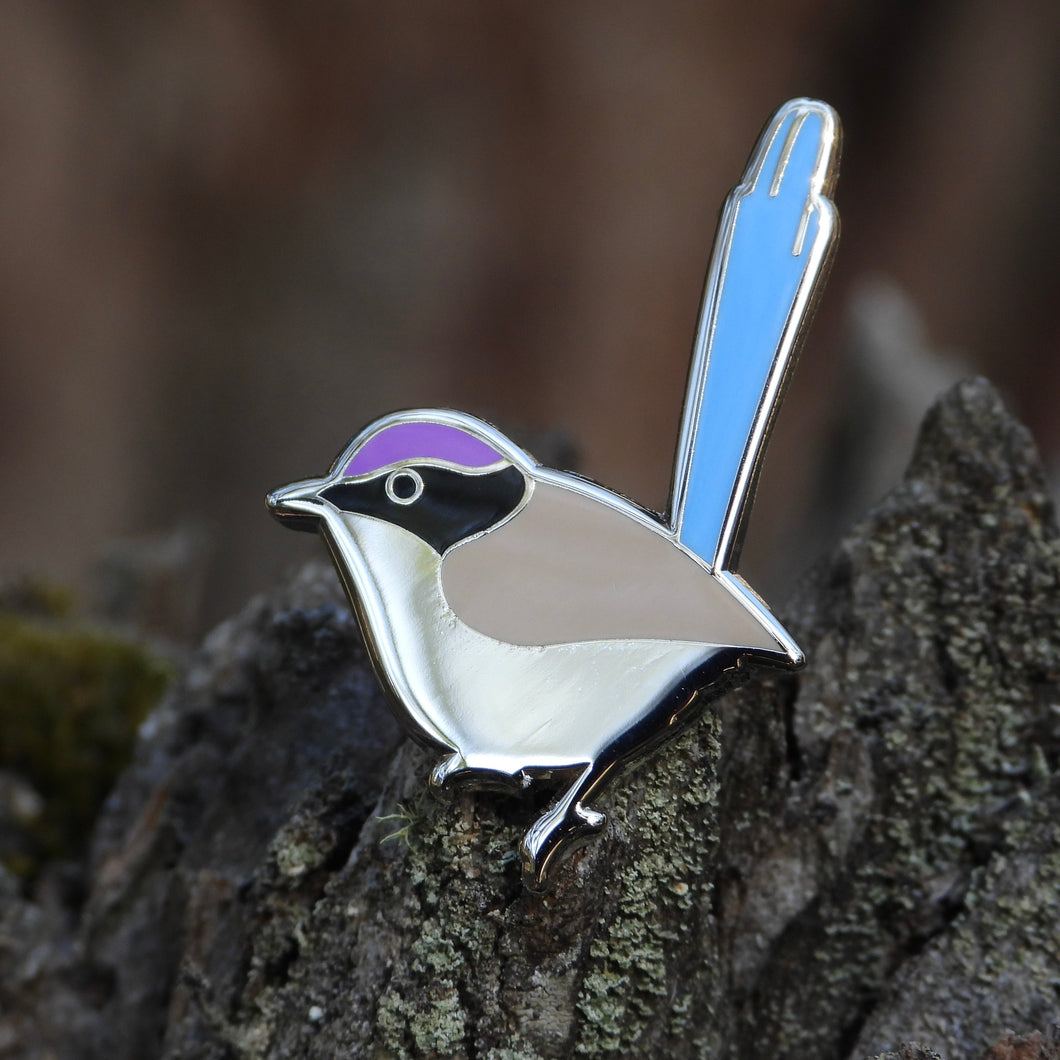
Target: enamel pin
{"x":537,"y":628}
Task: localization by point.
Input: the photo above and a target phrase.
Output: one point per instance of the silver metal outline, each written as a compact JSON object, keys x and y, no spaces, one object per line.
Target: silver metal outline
{"x":404,"y":472}
{"x":825,"y":172}
{"x":516,"y":714}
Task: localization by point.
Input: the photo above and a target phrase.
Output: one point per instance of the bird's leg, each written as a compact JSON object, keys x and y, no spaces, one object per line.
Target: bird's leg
{"x":566,"y":822}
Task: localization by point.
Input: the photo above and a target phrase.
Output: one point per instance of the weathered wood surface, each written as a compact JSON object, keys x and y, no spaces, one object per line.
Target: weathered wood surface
{"x":826,"y":866}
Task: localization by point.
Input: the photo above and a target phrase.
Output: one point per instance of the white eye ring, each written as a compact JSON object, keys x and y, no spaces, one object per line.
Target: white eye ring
{"x":396,"y":477}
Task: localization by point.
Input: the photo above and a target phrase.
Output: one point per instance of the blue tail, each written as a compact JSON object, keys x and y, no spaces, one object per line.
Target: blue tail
{"x":774,"y":241}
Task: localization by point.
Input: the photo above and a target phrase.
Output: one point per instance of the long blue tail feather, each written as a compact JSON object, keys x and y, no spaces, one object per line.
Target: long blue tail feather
{"x":774,"y":241}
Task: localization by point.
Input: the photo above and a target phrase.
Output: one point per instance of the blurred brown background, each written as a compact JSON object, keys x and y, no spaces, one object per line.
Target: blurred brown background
{"x":233,"y":231}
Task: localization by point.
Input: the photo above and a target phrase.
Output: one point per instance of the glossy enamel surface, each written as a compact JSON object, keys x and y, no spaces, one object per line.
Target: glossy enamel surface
{"x":538,"y":628}
{"x":775,"y":240}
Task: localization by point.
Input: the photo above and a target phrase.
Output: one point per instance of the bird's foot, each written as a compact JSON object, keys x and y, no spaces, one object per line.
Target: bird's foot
{"x":566,"y":825}
{"x":456,"y":773}
{"x":448,"y":770}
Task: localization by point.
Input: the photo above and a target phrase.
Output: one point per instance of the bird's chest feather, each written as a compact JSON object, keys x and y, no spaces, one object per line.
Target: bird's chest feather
{"x":497,"y":703}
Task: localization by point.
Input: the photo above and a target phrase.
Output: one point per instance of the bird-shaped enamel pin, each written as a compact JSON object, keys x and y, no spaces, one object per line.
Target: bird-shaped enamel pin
{"x":537,"y":628}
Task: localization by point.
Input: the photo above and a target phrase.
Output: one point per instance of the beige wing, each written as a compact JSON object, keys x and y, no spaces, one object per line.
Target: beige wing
{"x":568,"y":568}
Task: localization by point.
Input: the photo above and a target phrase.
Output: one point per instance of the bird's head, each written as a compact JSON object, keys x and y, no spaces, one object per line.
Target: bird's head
{"x":442,"y":476}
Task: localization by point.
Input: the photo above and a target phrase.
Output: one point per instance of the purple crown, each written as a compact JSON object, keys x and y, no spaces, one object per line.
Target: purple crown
{"x":424,"y":441}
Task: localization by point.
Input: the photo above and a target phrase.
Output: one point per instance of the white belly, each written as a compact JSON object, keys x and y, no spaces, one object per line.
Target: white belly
{"x":499,"y":706}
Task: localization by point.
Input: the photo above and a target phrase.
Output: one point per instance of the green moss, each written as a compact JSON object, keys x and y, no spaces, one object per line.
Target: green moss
{"x":71,"y":700}
{"x":405,"y":823}
{"x":33,"y":597}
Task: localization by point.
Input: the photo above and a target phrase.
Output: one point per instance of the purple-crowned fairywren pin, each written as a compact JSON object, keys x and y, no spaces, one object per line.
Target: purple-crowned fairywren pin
{"x":537,"y":628}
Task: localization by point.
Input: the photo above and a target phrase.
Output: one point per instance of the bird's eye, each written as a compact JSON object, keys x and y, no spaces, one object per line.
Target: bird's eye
{"x":404,"y":487}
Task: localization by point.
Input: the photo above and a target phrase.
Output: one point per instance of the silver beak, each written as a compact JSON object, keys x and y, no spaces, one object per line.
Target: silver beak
{"x":297,"y":505}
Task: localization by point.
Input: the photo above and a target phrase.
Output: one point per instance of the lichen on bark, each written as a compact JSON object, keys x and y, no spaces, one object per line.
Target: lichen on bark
{"x":827,"y":866}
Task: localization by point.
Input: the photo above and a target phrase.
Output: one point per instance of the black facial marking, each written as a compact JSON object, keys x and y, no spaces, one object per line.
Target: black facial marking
{"x":452,"y":506}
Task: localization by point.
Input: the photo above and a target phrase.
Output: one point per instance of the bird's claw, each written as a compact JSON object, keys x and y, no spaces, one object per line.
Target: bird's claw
{"x":446,"y":770}
{"x":566,"y":825}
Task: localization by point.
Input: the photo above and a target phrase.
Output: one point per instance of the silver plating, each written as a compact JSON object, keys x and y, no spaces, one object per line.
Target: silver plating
{"x":537,"y":628}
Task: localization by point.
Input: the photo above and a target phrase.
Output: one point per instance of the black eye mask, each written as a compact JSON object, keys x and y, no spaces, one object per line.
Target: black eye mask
{"x":452,"y":506}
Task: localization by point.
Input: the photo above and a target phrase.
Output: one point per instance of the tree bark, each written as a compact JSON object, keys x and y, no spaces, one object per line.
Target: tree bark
{"x":831,"y":865}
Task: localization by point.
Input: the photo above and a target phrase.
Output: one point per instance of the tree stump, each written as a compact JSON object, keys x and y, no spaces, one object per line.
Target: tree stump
{"x":831,"y":865}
